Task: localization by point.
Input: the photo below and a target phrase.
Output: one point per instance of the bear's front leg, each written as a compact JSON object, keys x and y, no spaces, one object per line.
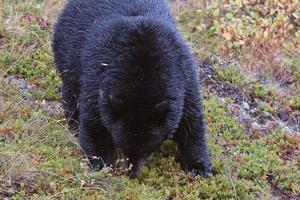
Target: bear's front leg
{"x":191,"y":139}
{"x":96,"y":143}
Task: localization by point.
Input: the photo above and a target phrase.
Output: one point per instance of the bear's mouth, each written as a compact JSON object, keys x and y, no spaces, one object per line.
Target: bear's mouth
{"x":135,"y":166}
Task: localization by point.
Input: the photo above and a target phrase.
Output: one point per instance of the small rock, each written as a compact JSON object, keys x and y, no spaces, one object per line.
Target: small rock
{"x":252,"y":111}
{"x":255,"y":111}
{"x":25,"y":93}
{"x":17,"y":82}
{"x":255,"y":126}
{"x":246,"y":105}
{"x":43,"y":102}
{"x":267,"y":115}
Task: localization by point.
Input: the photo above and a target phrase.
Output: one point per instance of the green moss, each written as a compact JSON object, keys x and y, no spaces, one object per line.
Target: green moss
{"x":231,"y":74}
{"x":27,"y":51}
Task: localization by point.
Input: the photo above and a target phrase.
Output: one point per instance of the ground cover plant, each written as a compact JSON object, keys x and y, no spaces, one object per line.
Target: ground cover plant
{"x":248,"y":57}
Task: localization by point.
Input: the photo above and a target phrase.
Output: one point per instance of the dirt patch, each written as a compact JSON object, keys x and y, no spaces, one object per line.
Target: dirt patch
{"x":26,"y":89}
{"x":245,"y":107}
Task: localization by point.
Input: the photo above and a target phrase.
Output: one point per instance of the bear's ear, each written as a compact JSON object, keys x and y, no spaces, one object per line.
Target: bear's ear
{"x":163,"y":107}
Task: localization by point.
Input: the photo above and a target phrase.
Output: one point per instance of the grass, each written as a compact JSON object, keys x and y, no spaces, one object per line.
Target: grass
{"x":26,"y":44}
{"x":39,"y":159}
{"x":262,"y":36}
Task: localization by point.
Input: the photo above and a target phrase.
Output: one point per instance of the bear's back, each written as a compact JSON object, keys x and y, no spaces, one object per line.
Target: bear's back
{"x":78,"y":15}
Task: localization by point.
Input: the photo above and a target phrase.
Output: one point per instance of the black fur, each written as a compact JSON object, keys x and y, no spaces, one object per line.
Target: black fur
{"x":135,"y":79}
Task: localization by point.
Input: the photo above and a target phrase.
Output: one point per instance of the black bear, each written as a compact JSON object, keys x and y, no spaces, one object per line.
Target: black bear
{"x":129,"y":82}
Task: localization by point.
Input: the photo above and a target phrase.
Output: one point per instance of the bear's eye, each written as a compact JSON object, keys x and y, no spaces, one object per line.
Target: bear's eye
{"x":114,"y":102}
{"x":157,"y":115}
{"x":115,"y":105}
{"x":162,"y":108}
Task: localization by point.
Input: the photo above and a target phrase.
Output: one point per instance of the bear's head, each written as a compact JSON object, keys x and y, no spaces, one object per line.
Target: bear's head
{"x":141,"y":88}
